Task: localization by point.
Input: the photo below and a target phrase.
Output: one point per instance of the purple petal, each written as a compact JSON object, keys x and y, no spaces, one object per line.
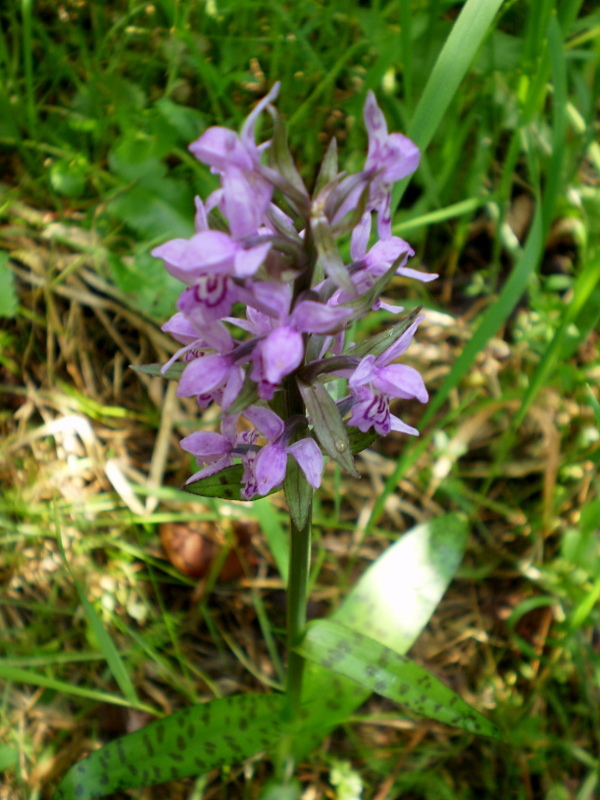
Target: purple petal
{"x":219,"y":148}
{"x":400,"y":156}
{"x":233,"y":387}
{"x":206,"y":252}
{"x":310,"y":458}
{"x":282,"y":352}
{"x":371,"y":410}
{"x":312,"y":317}
{"x":383,"y":254}
{"x":247,"y":133}
{"x":402,"y":427}
{"x":399,"y":380}
{"x":248,"y":261}
{"x":204,"y":375}
{"x":364,"y":372}
{"x":206,"y":445}
{"x":211,"y":469}
{"x":181,"y":329}
{"x":200,"y":220}
{"x":243,"y":212}
{"x":266,"y":421}
{"x":400,"y":345}
{"x":360,"y":237}
{"x":375,"y":123}
{"x":424,"y":277}
{"x":274,"y":296}
{"x":269,"y":467}
{"x":384,"y":217}
{"x":209,"y":300}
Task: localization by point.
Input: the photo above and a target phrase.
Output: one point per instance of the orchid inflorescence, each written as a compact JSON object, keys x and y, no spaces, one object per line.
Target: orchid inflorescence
{"x":269,"y":301}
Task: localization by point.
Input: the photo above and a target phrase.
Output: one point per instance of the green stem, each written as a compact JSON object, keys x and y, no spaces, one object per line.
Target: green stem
{"x":296,"y":614}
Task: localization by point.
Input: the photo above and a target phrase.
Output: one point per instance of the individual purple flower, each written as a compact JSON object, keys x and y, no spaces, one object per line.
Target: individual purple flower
{"x":271,"y":462}
{"x":375,"y":380}
{"x":207,"y":375}
{"x":281,"y":351}
{"x":210,"y":253}
{"x":245,"y":194}
{"x":390,"y":158}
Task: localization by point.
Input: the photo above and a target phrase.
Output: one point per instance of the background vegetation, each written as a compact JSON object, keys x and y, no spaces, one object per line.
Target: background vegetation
{"x":98,"y":102}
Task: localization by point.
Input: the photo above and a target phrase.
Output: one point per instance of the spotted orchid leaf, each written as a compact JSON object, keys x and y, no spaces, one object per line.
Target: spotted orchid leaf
{"x":391,"y":602}
{"x":187,"y":743}
{"x":391,"y":674}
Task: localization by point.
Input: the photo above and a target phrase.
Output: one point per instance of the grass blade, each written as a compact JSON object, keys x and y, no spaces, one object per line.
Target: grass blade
{"x":451,"y":66}
{"x":105,"y":643}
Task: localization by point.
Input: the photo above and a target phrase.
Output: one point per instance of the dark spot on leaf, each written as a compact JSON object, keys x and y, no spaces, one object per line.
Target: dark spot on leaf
{"x":160,"y":733}
{"x":145,"y":776}
{"x":148,"y":743}
{"x":156,"y":771}
{"x":380,"y":686}
{"x":180,"y":743}
{"x":180,"y":721}
{"x":243,"y":723}
{"x":104,"y":779}
{"x":437,"y":708}
{"x":79,"y":790}
{"x":332,"y":705}
{"x":133,"y":769}
{"x":176,"y":756}
{"x":210,"y":747}
{"x":191,"y":730}
{"x":174,"y":773}
{"x":81,"y":768}
{"x":403,"y":689}
{"x":371,"y":670}
{"x":206,"y":718}
{"x":223,"y":480}
{"x":199,"y":763}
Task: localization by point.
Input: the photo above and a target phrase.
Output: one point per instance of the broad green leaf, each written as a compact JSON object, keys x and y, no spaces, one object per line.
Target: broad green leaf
{"x":327,"y":423}
{"x":68,"y":176}
{"x":105,"y":643}
{"x":187,"y":743}
{"x":173,"y":373}
{"x":8,"y":292}
{"x":391,"y":674}
{"x":402,"y":589}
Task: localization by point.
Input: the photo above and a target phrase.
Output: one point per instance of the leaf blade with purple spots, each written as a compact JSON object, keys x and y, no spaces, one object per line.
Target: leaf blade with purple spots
{"x":391,"y":674}
{"x":187,"y":743}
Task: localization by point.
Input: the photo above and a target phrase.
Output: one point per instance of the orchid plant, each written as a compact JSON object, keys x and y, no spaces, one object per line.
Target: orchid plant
{"x":263,"y":323}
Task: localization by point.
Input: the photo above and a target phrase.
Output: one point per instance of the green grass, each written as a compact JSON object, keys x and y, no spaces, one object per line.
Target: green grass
{"x":97,"y":105}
